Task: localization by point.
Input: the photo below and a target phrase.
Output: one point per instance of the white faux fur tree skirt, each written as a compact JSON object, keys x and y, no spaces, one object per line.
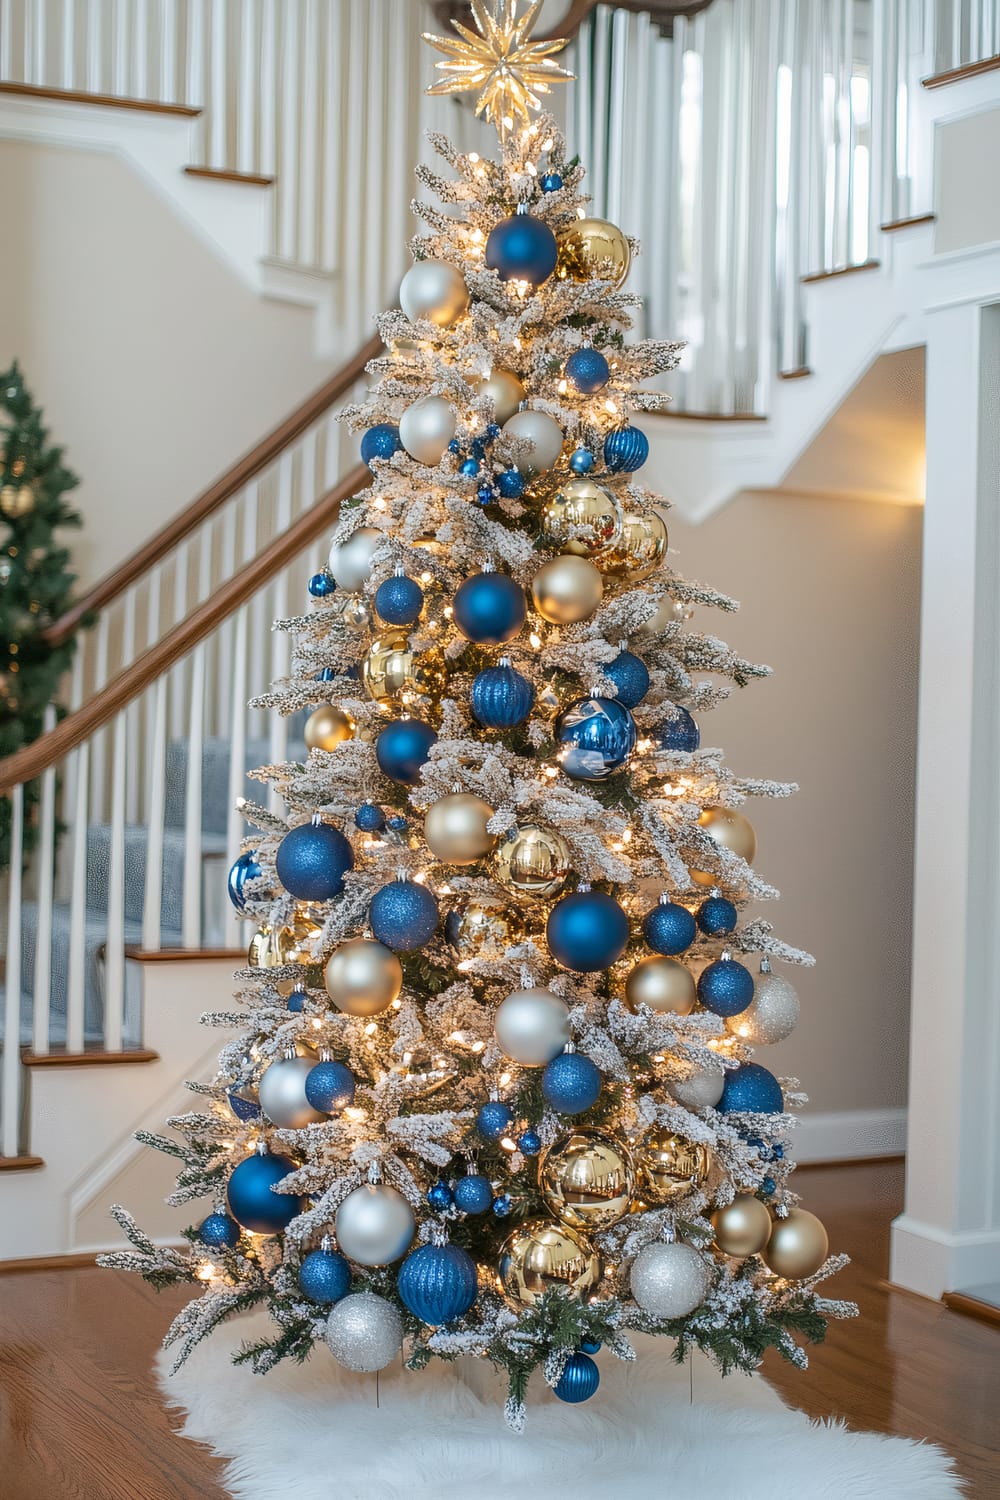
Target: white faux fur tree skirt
{"x":313,"y":1432}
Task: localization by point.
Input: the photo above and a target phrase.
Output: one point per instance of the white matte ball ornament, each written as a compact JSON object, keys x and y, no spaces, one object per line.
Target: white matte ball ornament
{"x":426,"y":428}
{"x":702,"y":1090}
{"x":282,"y":1093}
{"x":364,"y":1332}
{"x":375,"y":1225}
{"x":771,"y":1015}
{"x":434,"y":290}
{"x":542,"y":432}
{"x":350,"y":561}
{"x":532,"y":1027}
{"x":669,"y":1281}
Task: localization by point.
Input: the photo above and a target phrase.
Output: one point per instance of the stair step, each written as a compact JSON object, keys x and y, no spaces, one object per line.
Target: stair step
{"x":90,"y":1057}
{"x":20,"y":1163}
{"x":107,"y":101}
{"x":225,"y":174}
{"x":864,"y":265}
{"x":910,"y":223}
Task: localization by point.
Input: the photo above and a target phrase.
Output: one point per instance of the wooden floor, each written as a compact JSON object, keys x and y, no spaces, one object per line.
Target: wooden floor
{"x":81,"y":1419}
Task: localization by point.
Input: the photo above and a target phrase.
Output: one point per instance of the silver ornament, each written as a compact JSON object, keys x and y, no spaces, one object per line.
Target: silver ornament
{"x":543,"y":433}
{"x":771,"y":1015}
{"x":350,"y":561}
{"x":426,"y":428}
{"x":375,"y":1225}
{"x":669,"y":1281}
{"x":702,"y":1090}
{"x":282,"y":1093}
{"x":532,"y":1026}
{"x":434,"y":290}
{"x":364,"y":1332}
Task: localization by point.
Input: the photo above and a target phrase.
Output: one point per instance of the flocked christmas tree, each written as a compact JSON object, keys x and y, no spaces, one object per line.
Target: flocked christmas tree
{"x":493,"y":1092}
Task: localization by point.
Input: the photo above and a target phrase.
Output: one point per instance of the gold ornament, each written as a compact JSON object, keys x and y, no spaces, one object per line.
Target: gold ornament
{"x":17,"y":500}
{"x":587,"y":1179}
{"x":509,"y":71}
{"x":392,"y":672}
{"x":363,"y":977}
{"x":640,"y":548}
{"x":354,"y":612}
{"x":730,"y":830}
{"x":661,"y":617}
{"x":664,"y":984}
{"x":742,"y":1227}
{"x":455,"y":829}
{"x":593,"y":247}
{"x":270,"y":947}
{"x":669,"y":1165}
{"x":566,"y":590}
{"x":327,"y":727}
{"x":798,"y":1245}
{"x":542,"y":1256}
{"x":534,"y":861}
{"x":423,"y":1072}
{"x":504,"y":390}
{"x":478,"y":926}
{"x":583,"y":502}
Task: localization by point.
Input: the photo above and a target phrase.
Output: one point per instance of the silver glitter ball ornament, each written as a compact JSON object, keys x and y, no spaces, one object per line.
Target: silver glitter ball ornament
{"x":282,"y":1093}
{"x":771,"y":1015}
{"x":426,"y":428}
{"x":669,"y":1281}
{"x":364,"y":1332}
{"x":375,"y":1225}
{"x":350,"y":561}
{"x":702,"y":1090}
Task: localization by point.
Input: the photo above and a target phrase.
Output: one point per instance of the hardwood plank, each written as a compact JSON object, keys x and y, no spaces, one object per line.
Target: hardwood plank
{"x":972,"y":1307}
{"x":224,"y":174}
{"x":895,"y":224}
{"x":20,"y":1163}
{"x":92,"y":1058}
{"x":865,"y":265}
{"x":48,"y":1263}
{"x":180,"y":955}
{"x":955,"y":75}
{"x":106,"y":101}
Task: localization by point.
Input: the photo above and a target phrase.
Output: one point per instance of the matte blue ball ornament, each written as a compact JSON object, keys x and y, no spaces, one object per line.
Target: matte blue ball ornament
{"x":380,"y":441}
{"x":625,"y":450}
{"x":244,"y":868}
{"x":578,"y":1381}
{"x":403,"y":915}
{"x":725,"y":987}
{"x":312,"y":861}
{"x":324,"y":1277}
{"x":490,"y":608}
{"x":399,"y":600}
{"x":510,"y":484}
{"x":493,"y":1119}
{"x":438,"y":1283}
{"x":581,"y":461}
{"x":473,"y":1193}
{"x":669,"y":929}
{"x":250,"y":1199}
{"x":296,"y":1002}
{"x":439,"y":1196}
{"x":529,"y":1143}
{"x":717,"y":916}
{"x":501,"y":698}
{"x":369,"y":818}
{"x":321,"y":586}
{"x":590,"y":1346}
{"x":630,"y":676}
{"x":587,"y":931}
{"x":329,"y":1087}
{"x":571,"y":1083}
{"x":750,"y":1088}
{"x":588,"y":370}
{"x":469,"y":468}
{"x":397,"y":823}
{"x":219,"y":1231}
{"x":678,"y":731}
{"x":551,"y":182}
{"x":522,"y":248}
{"x":597,"y":735}
{"x":402,"y":747}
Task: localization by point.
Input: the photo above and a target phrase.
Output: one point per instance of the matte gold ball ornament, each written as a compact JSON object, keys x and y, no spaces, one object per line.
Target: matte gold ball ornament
{"x":505,"y":391}
{"x":664,"y":984}
{"x":583,"y":502}
{"x":593,"y":247}
{"x":533,"y":861}
{"x":798,"y":1245}
{"x":742,"y":1227}
{"x":477,"y":926}
{"x":730,"y":830}
{"x":668,"y":1165}
{"x":17,"y":500}
{"x":393,"y":672}
{"x":542,"y":1256}
{"x":327,"y":727}
{"x":363,"y":977}
{"x":587,"y":1179}
{"x":455,"y":828}
{"x":639,"y":550}
{"x":567,"y":590}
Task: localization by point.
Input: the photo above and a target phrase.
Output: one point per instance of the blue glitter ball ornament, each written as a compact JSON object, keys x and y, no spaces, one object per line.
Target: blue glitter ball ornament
{"x":725,"y":987}
{"x":219,"y":1231}
{"x":768,"y":1186}
{"x":578,"y":1381}
{"x":399,"y":600}
{"x":473,"y":1194}
{"x":329,"y":1087}
{"x":493,"y":1119}
{"x":587,"y":931}
{"x":522,"y":248}
{"x":469,"y":468}
{"x":590,"y":1346}
{"x":625,"y":450}
{"x":630,"y":676}
{"x":369,"y":818}
{"x":501,"y":698}
{"x":551,"y":182}
{"x":581,"y":461}
{"x":750,"y":1088}
{"x":439,"y":1196}
{"x":669,"y":929}
{"x":244,"y":1107}
{"x":297,"y":1002}
{"x":312,"y":861}
{"x":485,"y":494}
{"x":510,"y":484}
{"x":717,"y":916}
{"x":588,"y":370}
{"x":250,"y":1199}
{"x":438,"y":1283}
{"x":478,"y":447}
{"x":571,"y":1083}
{"x":502,"y":1206}
{"x":598,"y":735}
{"x":454,"y":446}
{"x":403,"y":915}
{"x":402,"y":747}
{"x":397,"y":823}
{"x":493,"y":431}
{"x":324,"y":1277}
{"x":490,"y":608}
{"x":321,"y":586}
{"x":380,"y":441}
{"x":244,"y":868}
{"x":678,"y":731}
{"x":529,"y":1143}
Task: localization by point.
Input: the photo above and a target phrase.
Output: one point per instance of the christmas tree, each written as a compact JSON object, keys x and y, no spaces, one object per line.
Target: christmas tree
{"x":494,"y":1091}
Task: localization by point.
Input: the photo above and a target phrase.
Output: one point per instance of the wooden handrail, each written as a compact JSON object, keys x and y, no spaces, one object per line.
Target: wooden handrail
{"x":26,"y":764}
{"x":224,"y":488}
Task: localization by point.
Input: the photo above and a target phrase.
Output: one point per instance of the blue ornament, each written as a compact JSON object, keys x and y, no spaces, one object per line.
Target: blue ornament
{"x":590,"y":1346}
{"x":725,"y":987}
{"x":493,"y":430}
{"x":470,"y":468}
{"x":490,"y":608}
{"x":402,"y":747}
{"x":454,"y":446}
{"x":551,"y":182}
{"x":312,"y":861}
{"x":598,"y":736}
{"x":244,"y":868}
{"x":630,"y":676}
{"x":326,"y":674}
{"x":581,"y":461}
{"x":502,"y":1206}
{"x":768,"y":1186}
{"x":749,"y":1088}
{"x":493,"y":1119}
{"x":397,"y":823}
{"x":571,"y":1083}
{"x":369,"y":818}
{"x":578,"y":1381}
{"x":678,"y":732}
{"x":473,"y":1193}
{"x":250,"y":1199}
{"x":587,"y":931}
{"x":484,"y":494}
{"x":717,"y":916}
{"x":625,"y":450}
{"x":669,"y":928}
{"x":399,"y":600}
{"x":219,"y":1231}
{"x":501,"y":698}
{"x":324,"y":1277}
{"x":380,"y":441}
{"x":403,"y":915}
{"x":588,"y":370}
{"x":438,"y":1283}
{"x":478,"y":447}
{"x":439,"y":1196}
{"x":297,"y":1002}
{"x":510,"y":484}
{"x":522,"y":248}
{"x":243,"y":1107}
{"x":329,"y":1087}
{"x":529,"y":1143}
{"x":321,"y":586}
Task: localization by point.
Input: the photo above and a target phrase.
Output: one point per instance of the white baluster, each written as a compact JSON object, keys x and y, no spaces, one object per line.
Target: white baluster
{"x":310,"y":173}
{"x":98,"y":764}
{"x":128,"y":655}
{"x":218,"y":101}
{"x":75,"y":998}
{"x":248,"y":88}
{"x":268,"y":130}
{"x":191,"y":921}
{"x":94,"y":39}
{"x":156,"y":746}
{"x":288,"y":177}
{"x":46,"y":873}
{"x":196,"y":72}
{"x":67,"y":74}
{"x":8,"y":67}
{"x":237,"y":735}
{"x":141,"y":71}
{"x":180,"y":608}
{"x":119,"y":45}
{"x":167,"y":38}
{"x":10,"y":1118}
{"x":333,"y":93}
{"x":36,"y":14}
{"x":114,"y":946}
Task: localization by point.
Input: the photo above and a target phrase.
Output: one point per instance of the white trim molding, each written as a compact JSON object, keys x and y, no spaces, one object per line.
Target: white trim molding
{"x":849,"y":1135}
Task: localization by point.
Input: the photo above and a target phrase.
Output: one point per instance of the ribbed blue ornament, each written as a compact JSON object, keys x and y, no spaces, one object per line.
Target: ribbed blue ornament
{"x":578,"y":1381}
{"x":329,"y":1087}
{"x":588,"y":370}
{"x":581,"y":461}
{"x":244,"y":1107}
{"x":439,"y":1196}
{"x":380,"y":441}
{"x":438,"y":1283}
{"x":473,"y":1193}
{"x":399,"y":600}
{"x":493,"y":1119}
{"x":522,"y":248}
{"x":717,"y":916}
{"x":251,"y":1201}
{"x":403,"y":915}
{"x":598,"y":735}
{"x":510,"y":484}
{"x":678,"y":730}
{"x":529,"y":1143}
{"x":725,"y":987}
{"x":244,"y":868}
{"x":324,"y":1277}
{"x":369,"y":818}
{"x":551,"y":182}
{"x":630,"y":676}
{"x":219,"y":1231}
{"x":669,"y":929}
{"x":587,"y":931}
{"x":312,"y":861}
{"x":321,"y":586}
{"x":625,"y":450}
{"x":402,"y":747}
{"x":327,"y":674}
{"x":501,"y":698}
{"x":751,"y":1088}
{"x":571,"y":1083}
{"x":490,"y":608}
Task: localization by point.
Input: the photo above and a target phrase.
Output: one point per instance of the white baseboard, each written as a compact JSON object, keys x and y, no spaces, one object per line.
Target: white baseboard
{"x":849,"y":1135}
{"x":930,"y":1260}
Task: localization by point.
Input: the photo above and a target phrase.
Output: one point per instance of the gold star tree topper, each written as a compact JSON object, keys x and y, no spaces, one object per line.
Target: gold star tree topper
{"x":509,"y":71}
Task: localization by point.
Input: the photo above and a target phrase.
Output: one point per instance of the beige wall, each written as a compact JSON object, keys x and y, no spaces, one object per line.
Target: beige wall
{"x":967,"y":203}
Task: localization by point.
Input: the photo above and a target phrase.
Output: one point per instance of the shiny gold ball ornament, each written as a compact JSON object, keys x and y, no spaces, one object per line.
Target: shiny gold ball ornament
{"x":668,"y":1165}
{"x":664,"y":984}
{"x":533,"y":861}
{"x":742,"y":1227}
{"x":567,"y":590}
{"x":455,"y":829}
{"x":271,"y":947}
{"x":542,"y":1256}
{"x":327,"y":727}
{"x":392,"y":672}
{"x":582,"y":502}
{"x":363,"y":977}
{"x":730,"y":830}
{"x":505,"y":391}
{"x":587,"y":1179}
{"x":640,"y":548}
{"x":478,"y":926}
{"x":593,"y":247}
{"x":798,"y":1245}
{"x":17,"y":500}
